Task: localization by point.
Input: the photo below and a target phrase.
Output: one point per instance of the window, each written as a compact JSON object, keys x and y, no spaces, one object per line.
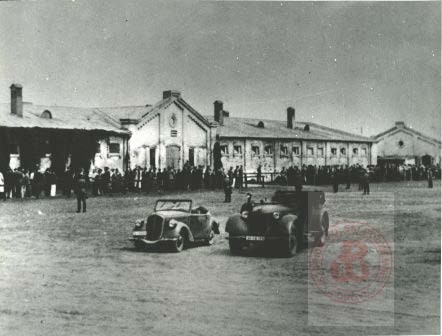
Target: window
{"x":224,"y":150}
{"x":343,"y":151}
{"x":309,"y":150}
{"x":355,"y":151}
{"x":320,"y":151}
{"x":97,"y":148}
{"x":13,"y":149}
{"x":364,"y":151}
{"x":173,"y":133}
{"x":114,"y":148}
{"x":237,"y":150}
{"x":268,"y":150}
{"x":46,"y":114}
{"x":284,"y":152}
{"x":295,"y":150}
{"x":255,"y":150}
{"x":334,"y":151}
{"x":192,"y":156}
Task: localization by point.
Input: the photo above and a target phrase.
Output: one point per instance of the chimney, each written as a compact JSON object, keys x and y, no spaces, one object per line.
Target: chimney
{"x":16,"y":100}
{"x":219,"y":112}
{"x":290,"y":117}
{"x":171,"y":93}
{"x":400,"y":124}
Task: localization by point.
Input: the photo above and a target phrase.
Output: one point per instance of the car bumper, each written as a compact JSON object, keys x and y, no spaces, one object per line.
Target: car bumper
{"x":151,"y":242}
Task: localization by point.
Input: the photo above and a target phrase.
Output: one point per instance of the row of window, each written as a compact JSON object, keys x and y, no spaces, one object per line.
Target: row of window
{"x":284,"y":151}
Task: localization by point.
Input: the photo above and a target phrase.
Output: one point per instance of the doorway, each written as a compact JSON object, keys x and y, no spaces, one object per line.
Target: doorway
{"x":173,"y":156}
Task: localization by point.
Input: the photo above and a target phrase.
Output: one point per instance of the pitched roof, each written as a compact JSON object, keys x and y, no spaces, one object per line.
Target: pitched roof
{"x":165,"y":103}
{"x":409,"y":129}
{"x":248,"y":128}
{"x":62,"y":118}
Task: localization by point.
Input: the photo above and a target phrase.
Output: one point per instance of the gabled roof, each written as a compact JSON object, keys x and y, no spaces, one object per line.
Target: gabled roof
{"x":163,"y":104}
{"x":62,"y":118}
{"x":408,"y":129}
{"x":277,"y":129}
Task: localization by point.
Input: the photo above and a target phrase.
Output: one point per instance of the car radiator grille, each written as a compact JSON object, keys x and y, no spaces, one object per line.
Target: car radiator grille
{"x":259,"y":224}
{"x":154,"y":227}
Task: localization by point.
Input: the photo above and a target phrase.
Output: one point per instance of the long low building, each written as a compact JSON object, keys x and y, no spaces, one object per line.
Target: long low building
{"x":170,"y":133}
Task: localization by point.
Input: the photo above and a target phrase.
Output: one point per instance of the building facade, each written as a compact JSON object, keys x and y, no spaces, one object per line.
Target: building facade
{"x":35,"y":135}
{"x":404,"y":145}
{"x":171,"y":132}
{"x":275,"y":144}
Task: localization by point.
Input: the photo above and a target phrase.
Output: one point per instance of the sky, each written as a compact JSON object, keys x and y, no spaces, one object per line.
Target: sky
{"x":355,"y":66}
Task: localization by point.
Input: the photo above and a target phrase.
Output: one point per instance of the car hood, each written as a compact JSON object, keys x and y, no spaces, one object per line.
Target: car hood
{"x":270,"y":209}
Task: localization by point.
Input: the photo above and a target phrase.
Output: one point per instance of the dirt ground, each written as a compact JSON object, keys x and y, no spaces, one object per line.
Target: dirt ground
{"x":64,"y":273}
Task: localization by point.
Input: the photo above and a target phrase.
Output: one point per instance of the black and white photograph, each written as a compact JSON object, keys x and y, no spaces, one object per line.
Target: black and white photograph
{"x":220,"y":167}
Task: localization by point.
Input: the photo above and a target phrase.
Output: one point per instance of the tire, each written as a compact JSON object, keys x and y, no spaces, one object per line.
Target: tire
{"x":320,"y":239}
{"x":209,"y":241}
{"x":139,"y":245}
{"x":236,"y":246}
{"x":292,"y":243}
{"x":178,"y":244}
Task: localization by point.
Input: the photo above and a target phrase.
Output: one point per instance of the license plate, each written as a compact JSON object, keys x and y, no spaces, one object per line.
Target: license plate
{"x":139,"y":233}
{"x":255,"y":238}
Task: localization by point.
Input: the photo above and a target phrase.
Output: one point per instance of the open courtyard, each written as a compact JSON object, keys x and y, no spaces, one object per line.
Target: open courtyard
{"x":64,"y":273}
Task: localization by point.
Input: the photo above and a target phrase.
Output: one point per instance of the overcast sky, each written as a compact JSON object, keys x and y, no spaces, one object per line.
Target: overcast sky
{"x":342,"y":64}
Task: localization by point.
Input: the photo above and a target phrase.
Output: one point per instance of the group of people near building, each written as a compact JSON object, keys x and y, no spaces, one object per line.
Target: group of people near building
{"x":23,"y":183}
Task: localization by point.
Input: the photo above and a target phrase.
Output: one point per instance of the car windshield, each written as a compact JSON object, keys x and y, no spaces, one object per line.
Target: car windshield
{"x":178,"y":205}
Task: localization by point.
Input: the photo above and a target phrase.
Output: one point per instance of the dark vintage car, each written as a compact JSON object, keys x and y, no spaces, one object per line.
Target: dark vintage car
{"x":286,"y":223}
{"x":175,"y":224}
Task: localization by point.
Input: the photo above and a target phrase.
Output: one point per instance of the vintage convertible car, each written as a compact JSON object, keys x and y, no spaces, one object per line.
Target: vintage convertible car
{"x":286,"y":223}
{"x":174,"y":223}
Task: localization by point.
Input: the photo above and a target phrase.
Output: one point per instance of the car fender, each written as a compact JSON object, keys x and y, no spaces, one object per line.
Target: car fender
{"x":173,"y":233}
{"x":284,"y":226}
{"x":236,"y":226}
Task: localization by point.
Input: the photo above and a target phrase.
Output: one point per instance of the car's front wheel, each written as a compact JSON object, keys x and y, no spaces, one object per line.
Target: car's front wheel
{"x":320,"y":238}
{"x":292,"y":243}
{"x":139,"y":245}
{"x":178,"y":244}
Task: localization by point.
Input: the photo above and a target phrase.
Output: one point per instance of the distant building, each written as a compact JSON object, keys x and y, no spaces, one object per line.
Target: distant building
{"x":275,"y":144}
{"x":404,"y":145}
{"x":35,"y":135}
{"x":169,"y":134}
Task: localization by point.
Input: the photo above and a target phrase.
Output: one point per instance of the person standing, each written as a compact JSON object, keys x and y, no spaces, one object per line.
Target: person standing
{"x":227,"y":189}
{"x":80,"y":190}
{"x":366,"y":183}
{"x":430,"y":178}
{"x":2,"y":187}
{"x":334,"y":181}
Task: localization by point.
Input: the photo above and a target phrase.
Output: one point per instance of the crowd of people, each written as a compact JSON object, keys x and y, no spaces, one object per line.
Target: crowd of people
{"x":23,"y":183}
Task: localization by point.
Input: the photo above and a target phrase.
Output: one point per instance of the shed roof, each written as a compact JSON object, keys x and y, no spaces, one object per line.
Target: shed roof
{"x":62,"y":118}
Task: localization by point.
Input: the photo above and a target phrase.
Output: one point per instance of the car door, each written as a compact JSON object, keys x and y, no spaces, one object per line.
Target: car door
{"x":200,"y":225}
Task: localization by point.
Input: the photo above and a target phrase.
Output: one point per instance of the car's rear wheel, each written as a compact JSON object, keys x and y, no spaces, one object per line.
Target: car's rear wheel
{"x":236,"y":246}
{"x":178,"y":244}
{"x":320,"y":238}
{"x":209,"y":241}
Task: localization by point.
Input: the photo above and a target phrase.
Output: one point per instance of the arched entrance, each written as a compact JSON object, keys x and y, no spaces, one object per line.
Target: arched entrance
{"x":173,"y":156}
{"x":427,"y":160}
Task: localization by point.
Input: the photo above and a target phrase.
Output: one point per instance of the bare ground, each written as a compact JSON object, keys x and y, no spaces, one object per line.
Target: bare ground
{"x":64,"y":273}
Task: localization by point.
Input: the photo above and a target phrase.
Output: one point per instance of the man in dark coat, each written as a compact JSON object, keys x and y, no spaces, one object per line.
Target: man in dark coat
{"x":227,"y":189}
{"x":366,"y":183}
{"x":248,"y":206}
{"x":80,"y":190}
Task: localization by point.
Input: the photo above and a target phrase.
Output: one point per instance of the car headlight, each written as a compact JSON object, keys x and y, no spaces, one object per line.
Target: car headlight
{"x":173,"y":223}
{"x":244,"y":214}
{"x":139,"y":223}
{"x":276,"y":215}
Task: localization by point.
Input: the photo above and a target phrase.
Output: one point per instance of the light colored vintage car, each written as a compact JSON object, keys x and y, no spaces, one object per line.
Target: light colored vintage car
{"x":175,"y":224}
